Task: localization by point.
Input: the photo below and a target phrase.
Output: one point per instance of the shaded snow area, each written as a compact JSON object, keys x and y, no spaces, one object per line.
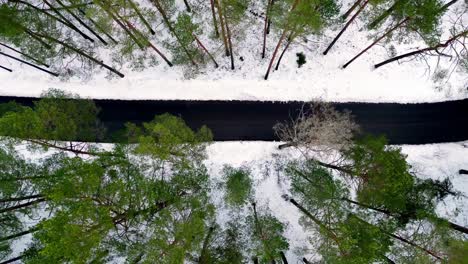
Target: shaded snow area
{"x":321,"y":77}
{"x":435,"y":161}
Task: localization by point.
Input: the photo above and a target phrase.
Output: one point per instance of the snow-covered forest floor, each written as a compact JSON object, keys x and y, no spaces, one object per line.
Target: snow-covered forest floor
{"x":436,"y":161}
{"x":321,"y":77}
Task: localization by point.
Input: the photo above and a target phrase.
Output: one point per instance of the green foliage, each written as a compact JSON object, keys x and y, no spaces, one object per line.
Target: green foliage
{"x":238,"y":185}
{"x":185,"y":28}
{"x":301,"y":59}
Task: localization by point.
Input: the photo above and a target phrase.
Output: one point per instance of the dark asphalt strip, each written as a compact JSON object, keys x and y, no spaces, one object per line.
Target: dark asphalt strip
{"x":252,"y":120}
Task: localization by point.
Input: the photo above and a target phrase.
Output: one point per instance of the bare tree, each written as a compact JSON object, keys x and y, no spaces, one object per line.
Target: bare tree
{"x":318,"y":128}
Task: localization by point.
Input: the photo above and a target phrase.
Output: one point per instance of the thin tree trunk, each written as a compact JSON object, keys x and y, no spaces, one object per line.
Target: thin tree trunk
{"x":306,"y":261}
{"x":20,"y":206}
{"x":27,"y":178}
{"x":255,"y":260}
{"x":269,"y":18}
{"x":413,"y":244}
{"x":213,"y":12}
{"x":223,"y":31}
{"x":205,"y":49}
{"x":82,"y":23}
{"x":142,"y":18}
{"x":283,"y":257}
{"x":77,"y":6}
{"x":356,"y":4}
{"x":388,"y":260}
{"x":346,"y":26}
{"x":16,"y":199}
{"x":42,"y":11}
{"x":416,"y":52}
{"x":149,"y":43}
{"x":384,"y":15}
{"x":447,"y":5}
{"x":458,"y":227}
{"x":463,"y":172}
{"x":230,"y":42}
{"x":98,"y":26}
{"x":284,"y":51}
{"x":169,"y":25}
{"x":376,"y":41}
{"x":28,"y":32}
{"x":265,"y":28}
{"x":187,"y":6}
{"x":12,"y":260}
{"x":20,"y":234}
{"x":322,"y":226}
{"x":116,"y":17}
{"x":206,"y":243}
{"x":25,"y":55}
{"x":296,"y":2}
{"x":6,"y":69}
{"x":68,"y":23}
{"x":99,"y":62}
{"x":30,"y":64}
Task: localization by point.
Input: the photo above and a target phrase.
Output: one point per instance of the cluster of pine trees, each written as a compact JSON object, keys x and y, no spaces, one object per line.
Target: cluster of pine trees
{"x":69,"y":37}
{"x":148,"y":198}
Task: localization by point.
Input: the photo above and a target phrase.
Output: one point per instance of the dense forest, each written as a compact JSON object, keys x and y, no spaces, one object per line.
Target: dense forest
{"x":148,"y":198}
{"x":79,"y":38}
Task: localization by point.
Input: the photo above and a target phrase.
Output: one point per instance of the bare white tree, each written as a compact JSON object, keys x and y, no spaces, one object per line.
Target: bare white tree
{"x":318,"y":129}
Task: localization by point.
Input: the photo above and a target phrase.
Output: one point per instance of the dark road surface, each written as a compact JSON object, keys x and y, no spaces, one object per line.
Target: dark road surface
{"x":245,"y":120}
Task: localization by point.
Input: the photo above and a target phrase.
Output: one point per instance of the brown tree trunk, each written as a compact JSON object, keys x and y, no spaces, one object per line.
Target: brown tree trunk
{"x":223,"y":31}
{"x":213,"y":12}
{"x":205,"y":49}
{"x":30,"y":64}
{"x":142,"y":18}
{"x":169,"y":25}
{"x":20,"y":206}
{"x":416,"y":52}
{"x":25,"y":55}
{"x":413,"y":244}
{"x":82,"y":23}
{"x":347,"y":25}
{"x":284,"y":51}
{"x":17,"y":199}
{"x":356,"y":4}
{"x":230,"y":42}
{"x":20,"y":234}
{"x":377,"y":41}
{"x":6,"y":69}
{"x":68,"y":23}
{"x":265,"y":28}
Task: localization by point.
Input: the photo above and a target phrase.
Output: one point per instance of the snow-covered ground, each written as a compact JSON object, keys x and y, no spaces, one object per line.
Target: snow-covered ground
{"x":321,"y":77}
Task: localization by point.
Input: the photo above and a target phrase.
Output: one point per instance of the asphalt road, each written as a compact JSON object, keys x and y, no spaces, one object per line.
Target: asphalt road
{"x":252,"y":120}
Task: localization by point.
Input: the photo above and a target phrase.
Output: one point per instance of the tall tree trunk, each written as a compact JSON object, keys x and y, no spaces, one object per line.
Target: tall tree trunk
{"x":230,"y":42}
{"x":306,"y":261}
{"x":98,"y":26}
{"x":171,"y":28}
{"x":283,"y":257}
{"x":356,"y":4}
{"x":265,"y":28}
{"x":81,"y":22}
{"x":420,"y":51}
{"x":447,"y":5}
{"x":12,"y":260}
{"x":346,"y":26}
{"x":296,"y":2}
{"x":269,"y":18}
{"x":89,"y":57}
{"x":223,"y":31}
{"x":20,"y":234}
{"x":206,"y":243}
{"x":17,"y":199}
{"x":25,"y":55}
{"x":20,"y":206}
{"x":6,"y":69}
{"x":321,"y":225}
{"x":284,"y":51}
{"x":384,"y":15}
{"x":458,"y":227}
{"x":377,"y":41}
{"x":463,"y":172}
{"x":255,"y":260}
{"x":213,"y":13}
{"x":388,"y":260}
{"x":187,"y":6}
{"x":106,"y":7}
{"x":30,"y":64}
{"x":68,"y":23}
{"x":205,"y":49}
{"x":31,"y":34}
{"x":142,"y":18}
